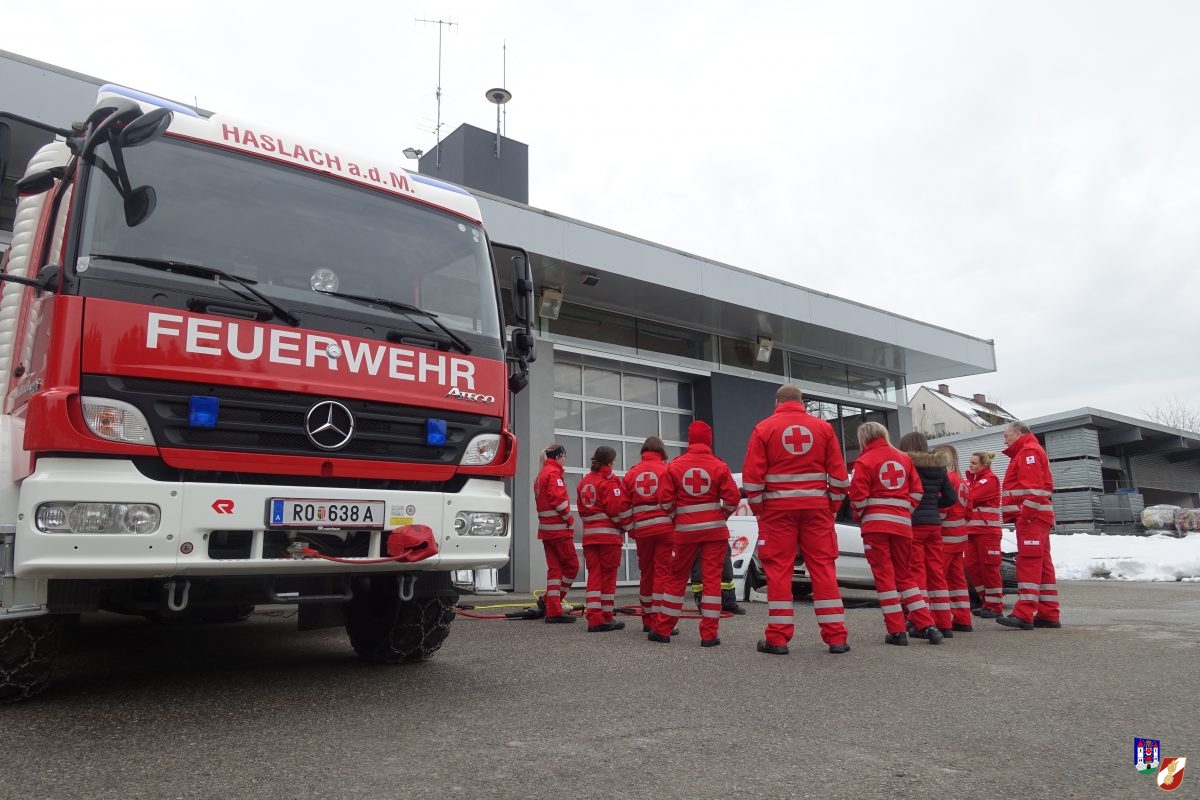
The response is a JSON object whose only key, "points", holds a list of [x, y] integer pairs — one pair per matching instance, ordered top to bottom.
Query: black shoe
{"points": [[541, 609], [734, 609], [976, 611], [987, 614], [561, 619], [1011, 621], [1038, 622], [606, 627], [962, 628], [912, 629], [675, 631], [917, 633], [947, 633], [933, 635], [658, 637], [900, 639], [713, 642], [771, 649], [837, 649]]}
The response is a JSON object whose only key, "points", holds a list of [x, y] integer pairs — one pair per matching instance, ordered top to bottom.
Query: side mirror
{"points": [[146, 128], [37, 182], [139, 205], [522, 290], [523, 345]]}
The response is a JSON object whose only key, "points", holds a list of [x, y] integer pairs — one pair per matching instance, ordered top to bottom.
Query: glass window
{"points": [[594, 325], [658, 338], [814, 370], [568, 378], [601, 383], [871, 385], [640, 389], [674, 394], [568, 414], [602, 418], [641, 422], [674, 426], [674, 450], [633, 454]]}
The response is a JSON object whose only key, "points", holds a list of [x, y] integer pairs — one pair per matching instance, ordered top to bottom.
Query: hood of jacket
{"points": [[930, 460]]}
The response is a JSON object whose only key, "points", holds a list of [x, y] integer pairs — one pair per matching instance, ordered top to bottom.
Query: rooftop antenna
{"points": [[442, 24], [500, 97]]}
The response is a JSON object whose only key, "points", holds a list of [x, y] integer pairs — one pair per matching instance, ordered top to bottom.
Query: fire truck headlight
{"points": [[116, 421], [482, 450], [69, 517], [480, 523]]}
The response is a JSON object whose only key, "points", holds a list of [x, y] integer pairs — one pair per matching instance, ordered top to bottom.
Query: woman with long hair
{"points": [[983, 535], [954, 544], [928, 560]]}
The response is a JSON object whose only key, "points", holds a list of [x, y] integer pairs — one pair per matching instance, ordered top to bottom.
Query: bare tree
{"points": [[1176, 414]]}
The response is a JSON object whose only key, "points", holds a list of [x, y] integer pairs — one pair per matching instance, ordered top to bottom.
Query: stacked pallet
{"points": [[1074, 456]]}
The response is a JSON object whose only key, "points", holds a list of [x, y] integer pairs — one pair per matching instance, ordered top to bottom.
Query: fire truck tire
{"points": [[384, 629], [27, 650]]}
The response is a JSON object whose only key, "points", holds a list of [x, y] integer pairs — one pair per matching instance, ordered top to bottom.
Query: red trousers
{"points": [[811, 532], [890, 556], [712, 558], [603, 561], [982, 562], [654, 563], [562, 565], [929, 571], [956, 582], [1037, 588]]}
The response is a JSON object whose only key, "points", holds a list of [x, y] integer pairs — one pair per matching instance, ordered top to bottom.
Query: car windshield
{"points": [[294, 233]]}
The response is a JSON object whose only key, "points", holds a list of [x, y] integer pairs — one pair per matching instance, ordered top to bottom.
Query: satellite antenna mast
{"points": [[442, 24], [500, 97]]}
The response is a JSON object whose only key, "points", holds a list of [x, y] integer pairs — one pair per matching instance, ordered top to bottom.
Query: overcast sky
{"points": [[1027, 172]]}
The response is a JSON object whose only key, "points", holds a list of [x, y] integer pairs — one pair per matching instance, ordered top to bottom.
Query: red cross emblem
{"points": [[797, 439], [891, 474], [696, 482], [646, 484], [587, 494]]}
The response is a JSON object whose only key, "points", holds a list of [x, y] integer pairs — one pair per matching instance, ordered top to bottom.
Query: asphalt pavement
{"points": [[527, 710]]}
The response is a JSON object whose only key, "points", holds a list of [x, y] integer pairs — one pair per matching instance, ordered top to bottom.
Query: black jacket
{"points": [[939, 492]]}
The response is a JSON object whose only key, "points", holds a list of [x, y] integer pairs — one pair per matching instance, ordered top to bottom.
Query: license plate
{"points": [[289, 512]]}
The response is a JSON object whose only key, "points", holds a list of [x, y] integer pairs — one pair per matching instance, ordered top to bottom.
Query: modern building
{"points": [[636, 338], [941, 413], [1106, 467]]}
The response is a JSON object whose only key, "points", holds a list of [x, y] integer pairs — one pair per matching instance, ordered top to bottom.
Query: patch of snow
{"points": [[1159, 556]]}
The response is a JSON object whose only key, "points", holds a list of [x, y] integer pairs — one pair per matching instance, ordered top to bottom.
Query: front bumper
{"points": [[192, 512]]}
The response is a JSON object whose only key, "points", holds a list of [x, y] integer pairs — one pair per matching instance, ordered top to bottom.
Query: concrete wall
{"points": [[533, 421]]}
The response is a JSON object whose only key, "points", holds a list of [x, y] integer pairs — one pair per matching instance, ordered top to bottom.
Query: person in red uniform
{"points": [[795, 480], [884, 491], [700, 493], [1026, 500], [604, 509], [649, 526], [556, 530], [954, 543], [982, 560], [928, 561]]}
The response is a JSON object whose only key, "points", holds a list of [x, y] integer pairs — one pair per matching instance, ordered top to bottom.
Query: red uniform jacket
{"points": [[794, 461], [644, 485], [1028, 486], [885, 489], [701, 493], [983, 502], [553, 506], [603, 506], [954, 518]]}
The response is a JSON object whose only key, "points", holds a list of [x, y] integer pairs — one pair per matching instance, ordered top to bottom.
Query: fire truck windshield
{"points": [[301, 238]]}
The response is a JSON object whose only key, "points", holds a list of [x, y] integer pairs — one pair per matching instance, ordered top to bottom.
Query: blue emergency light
{"points": [[202, 411], [435, 432]]}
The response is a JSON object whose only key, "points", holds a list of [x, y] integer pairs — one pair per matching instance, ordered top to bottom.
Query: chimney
{"points": [[944, 388], [980, 399]]}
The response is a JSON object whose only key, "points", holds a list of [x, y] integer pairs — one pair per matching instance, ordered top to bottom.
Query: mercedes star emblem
{"points": [[329, 425]]}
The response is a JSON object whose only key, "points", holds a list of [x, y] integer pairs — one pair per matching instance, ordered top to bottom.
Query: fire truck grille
{"points": [[261, 421]]}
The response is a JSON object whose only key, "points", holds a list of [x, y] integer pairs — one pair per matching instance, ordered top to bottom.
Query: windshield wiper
{"points": [[201, 271], [406, 308]]}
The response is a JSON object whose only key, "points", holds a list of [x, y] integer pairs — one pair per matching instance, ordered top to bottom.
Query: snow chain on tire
{"points": [[387, 630], [27, 650]]}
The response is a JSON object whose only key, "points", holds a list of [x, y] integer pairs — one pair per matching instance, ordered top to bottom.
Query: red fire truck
{"points": [[242, 368]]}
